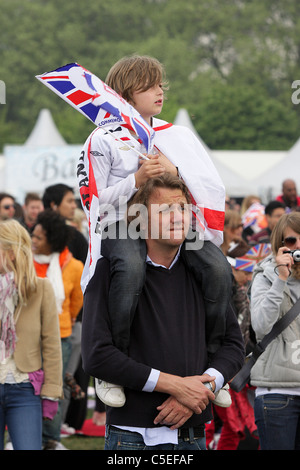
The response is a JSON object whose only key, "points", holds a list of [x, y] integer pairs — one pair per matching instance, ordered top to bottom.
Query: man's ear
{"points": [[53, 205]]}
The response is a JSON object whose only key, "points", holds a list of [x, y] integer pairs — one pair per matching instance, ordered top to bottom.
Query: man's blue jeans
{"points": [[21, 411], [277, 417], [118, 439]]}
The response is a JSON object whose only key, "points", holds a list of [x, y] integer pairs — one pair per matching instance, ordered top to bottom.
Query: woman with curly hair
{"points": [[52, 259], [30, 349]]}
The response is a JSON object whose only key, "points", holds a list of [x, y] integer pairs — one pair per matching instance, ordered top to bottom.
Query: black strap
{"points": [[278, 327], [243, 375]]}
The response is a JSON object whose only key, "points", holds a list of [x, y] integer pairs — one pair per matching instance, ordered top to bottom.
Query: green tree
{"points": [[230, 63]]}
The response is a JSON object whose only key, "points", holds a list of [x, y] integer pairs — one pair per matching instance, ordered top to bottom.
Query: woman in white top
{"points": [[276, 374]]}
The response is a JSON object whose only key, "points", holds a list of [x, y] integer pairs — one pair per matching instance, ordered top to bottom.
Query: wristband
{"points": [[209, 385]]}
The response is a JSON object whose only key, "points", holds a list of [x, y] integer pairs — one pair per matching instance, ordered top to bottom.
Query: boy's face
{"points": [[148, 103]]}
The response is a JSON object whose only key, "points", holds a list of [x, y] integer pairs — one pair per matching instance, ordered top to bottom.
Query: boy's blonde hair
{"points": [[135, 73], [16, 256]]}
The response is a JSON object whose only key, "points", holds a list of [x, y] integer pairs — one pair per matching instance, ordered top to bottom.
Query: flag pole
{"points": [[125, 143]]}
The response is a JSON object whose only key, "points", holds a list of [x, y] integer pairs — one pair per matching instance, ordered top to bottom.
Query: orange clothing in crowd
{"points": [[71, 275]]}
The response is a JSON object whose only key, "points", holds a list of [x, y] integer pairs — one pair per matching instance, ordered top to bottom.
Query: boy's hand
{"points": [[165, 162], [148, 169]]}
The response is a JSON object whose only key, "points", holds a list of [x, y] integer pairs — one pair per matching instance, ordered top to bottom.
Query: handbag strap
{"points": [[278, 327]]}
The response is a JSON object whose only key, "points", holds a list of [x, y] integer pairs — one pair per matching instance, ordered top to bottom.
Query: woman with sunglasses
{"points": [[233, 243], [276, 374]]}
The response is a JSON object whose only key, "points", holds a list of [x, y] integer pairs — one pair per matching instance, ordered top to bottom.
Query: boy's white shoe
{"points": [[110, 394], [222, 397]]}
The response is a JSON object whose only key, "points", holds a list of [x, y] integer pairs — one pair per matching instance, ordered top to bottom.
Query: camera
{"points": [[295, 254]]}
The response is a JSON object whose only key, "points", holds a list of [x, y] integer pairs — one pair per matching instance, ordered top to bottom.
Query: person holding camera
{"points": [[276, 374]]}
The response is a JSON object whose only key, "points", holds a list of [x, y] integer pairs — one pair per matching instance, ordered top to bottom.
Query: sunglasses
{"points": [[8, 206], [290, 241]]}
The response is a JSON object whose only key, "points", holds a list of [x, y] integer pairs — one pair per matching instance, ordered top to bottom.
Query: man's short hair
{"points": [[167, 180], [55, 193], [3, 195], [31, 197], [271, 206]]}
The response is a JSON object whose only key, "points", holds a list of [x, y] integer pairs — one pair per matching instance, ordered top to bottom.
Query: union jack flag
{"points": [[96, 100], [254, 217], [252, 257]]}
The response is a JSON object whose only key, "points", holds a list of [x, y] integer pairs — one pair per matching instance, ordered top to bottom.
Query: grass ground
{"points": [[78, 442], [83, 443]]}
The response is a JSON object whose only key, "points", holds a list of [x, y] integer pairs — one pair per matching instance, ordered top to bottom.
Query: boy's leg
{"points": [[128, 268], [213, 271]]}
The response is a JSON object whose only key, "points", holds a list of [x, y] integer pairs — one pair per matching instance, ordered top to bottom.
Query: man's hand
{"points": [[189, 391], [172, 413]]}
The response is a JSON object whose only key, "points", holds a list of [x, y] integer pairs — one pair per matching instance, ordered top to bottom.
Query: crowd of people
{"points": [[59, 239], [162, 320]]}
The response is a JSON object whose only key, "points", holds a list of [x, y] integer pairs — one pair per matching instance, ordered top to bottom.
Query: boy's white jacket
{"points": [[106, 173]]}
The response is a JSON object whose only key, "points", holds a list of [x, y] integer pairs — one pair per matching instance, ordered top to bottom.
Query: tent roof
{"points": [[183, 119], [45, 132], [286, 168], [246, 172], [235, 183]]}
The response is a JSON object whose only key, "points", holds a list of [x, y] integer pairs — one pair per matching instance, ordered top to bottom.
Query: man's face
{"points": [[290, 191], [67, 206], [7, 208], [32, 209], [274, 217], [168, 218]]}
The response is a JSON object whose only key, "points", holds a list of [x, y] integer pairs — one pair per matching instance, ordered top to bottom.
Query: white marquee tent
{"points": [[45, 159], [287, 168], [247, 172]]}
